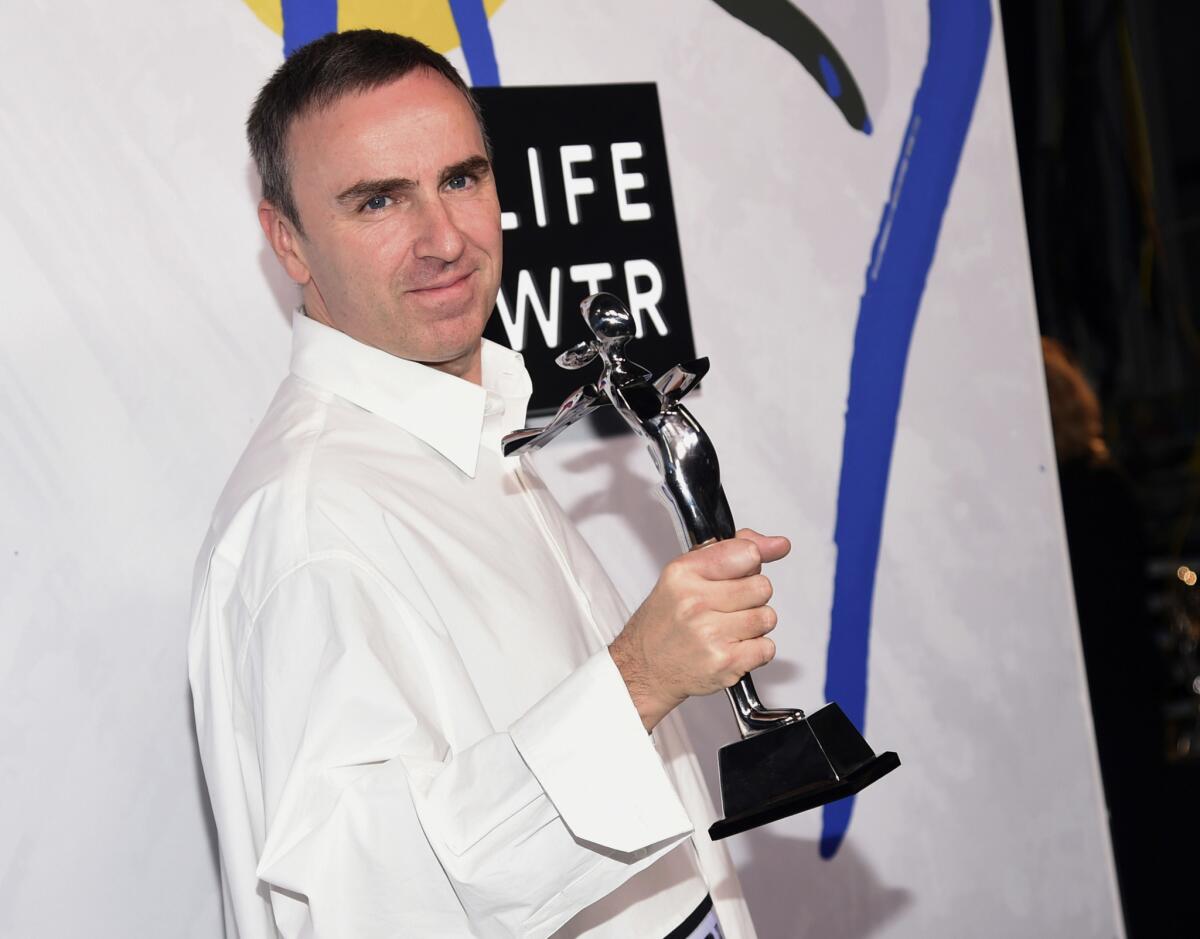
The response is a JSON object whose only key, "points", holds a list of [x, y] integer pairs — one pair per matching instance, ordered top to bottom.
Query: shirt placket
{"points": [[535, 510]]}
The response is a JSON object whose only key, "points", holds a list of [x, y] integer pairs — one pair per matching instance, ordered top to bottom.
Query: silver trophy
{"points": [[786, 762]]}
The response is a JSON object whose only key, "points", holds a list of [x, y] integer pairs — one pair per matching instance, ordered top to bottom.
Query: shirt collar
{"points": [[441, 410]]}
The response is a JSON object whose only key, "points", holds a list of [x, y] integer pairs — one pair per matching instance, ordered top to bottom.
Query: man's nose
{"points": [[439, 235]]}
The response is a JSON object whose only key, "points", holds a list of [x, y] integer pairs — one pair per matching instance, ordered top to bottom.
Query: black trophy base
{"points": [[795, 768]]}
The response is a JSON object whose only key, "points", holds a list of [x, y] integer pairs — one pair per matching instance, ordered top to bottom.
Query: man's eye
{"points": [[459, 182], [375, 203]]}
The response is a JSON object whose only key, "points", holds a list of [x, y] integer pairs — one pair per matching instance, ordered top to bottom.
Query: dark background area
{"points": [[1105, 97], [547, 117]]}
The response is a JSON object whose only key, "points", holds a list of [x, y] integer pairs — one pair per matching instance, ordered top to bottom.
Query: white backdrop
{"points": [[145, 329]]}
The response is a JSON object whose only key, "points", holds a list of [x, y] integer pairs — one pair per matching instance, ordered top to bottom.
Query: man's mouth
{"points": [[443, 286]]}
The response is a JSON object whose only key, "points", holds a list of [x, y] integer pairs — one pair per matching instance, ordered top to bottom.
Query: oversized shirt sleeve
{"points": [[352, 710]]}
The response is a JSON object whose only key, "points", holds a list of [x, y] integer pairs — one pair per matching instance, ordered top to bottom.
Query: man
{"points": [[421, 708]]}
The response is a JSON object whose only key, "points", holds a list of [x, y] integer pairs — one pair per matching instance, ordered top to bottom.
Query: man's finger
{"points": [[770, 547], [726, 560], [743, 593], [750, 624], [754, 653]]}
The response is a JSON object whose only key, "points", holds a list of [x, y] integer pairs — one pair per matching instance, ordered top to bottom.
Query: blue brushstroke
{"points": [[470, 18], [306, 20], [959, 31], [833, 85]]}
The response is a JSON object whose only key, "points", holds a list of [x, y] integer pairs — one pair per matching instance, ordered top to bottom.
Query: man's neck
{"points": [[468, 366]]}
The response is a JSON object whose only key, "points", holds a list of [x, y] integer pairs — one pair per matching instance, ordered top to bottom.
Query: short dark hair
{"points": [[318, 74]]}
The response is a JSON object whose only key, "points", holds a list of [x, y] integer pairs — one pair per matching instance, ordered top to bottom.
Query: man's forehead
{"points": [[422, 95]]}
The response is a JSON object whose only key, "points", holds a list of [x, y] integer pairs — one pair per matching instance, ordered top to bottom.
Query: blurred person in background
{"points": [[1104, 534]]}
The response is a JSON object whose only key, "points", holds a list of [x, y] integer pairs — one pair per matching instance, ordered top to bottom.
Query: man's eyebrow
{"points": [[471, 166], [365, 188]]}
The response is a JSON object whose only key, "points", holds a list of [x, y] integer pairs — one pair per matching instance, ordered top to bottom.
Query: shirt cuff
{"points": [[586, 745]]}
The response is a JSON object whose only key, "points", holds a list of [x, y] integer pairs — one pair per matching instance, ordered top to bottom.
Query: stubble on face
{"points": [[402, 242]]}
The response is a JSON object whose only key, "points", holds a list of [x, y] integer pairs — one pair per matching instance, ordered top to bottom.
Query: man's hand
{"points": [[703, 626]]}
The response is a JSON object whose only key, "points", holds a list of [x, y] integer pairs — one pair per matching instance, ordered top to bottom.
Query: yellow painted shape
{"points": [[270, 12], [427, 20]]}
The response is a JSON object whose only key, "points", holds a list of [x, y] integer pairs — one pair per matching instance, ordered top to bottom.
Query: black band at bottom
{"points": [[685, 929]]}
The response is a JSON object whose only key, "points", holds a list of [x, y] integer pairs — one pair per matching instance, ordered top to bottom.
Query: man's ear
{"points": [[285, 241]]}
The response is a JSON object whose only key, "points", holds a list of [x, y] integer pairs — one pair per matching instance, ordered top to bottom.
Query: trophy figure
{"points": [[786, 762]]}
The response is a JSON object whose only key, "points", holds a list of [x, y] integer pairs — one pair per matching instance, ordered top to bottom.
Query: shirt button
{"points": [[493, 405]]}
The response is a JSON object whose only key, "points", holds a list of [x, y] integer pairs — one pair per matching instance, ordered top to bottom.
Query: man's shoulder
{"points": [[297, 481]]}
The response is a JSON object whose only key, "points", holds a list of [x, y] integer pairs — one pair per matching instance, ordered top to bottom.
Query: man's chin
{"points": [[455, 349], [465, 365]]}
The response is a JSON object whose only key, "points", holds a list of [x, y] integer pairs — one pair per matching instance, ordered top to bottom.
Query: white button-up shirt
{"points": [[408, 717]]}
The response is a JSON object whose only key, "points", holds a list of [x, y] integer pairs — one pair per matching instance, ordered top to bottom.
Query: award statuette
{"points": [[786, 762]]}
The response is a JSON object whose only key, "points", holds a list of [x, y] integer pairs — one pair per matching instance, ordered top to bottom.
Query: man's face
{"points": [[402, 244]]}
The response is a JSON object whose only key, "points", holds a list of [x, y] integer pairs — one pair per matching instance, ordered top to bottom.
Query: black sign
{"points": [[586, 200]]}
